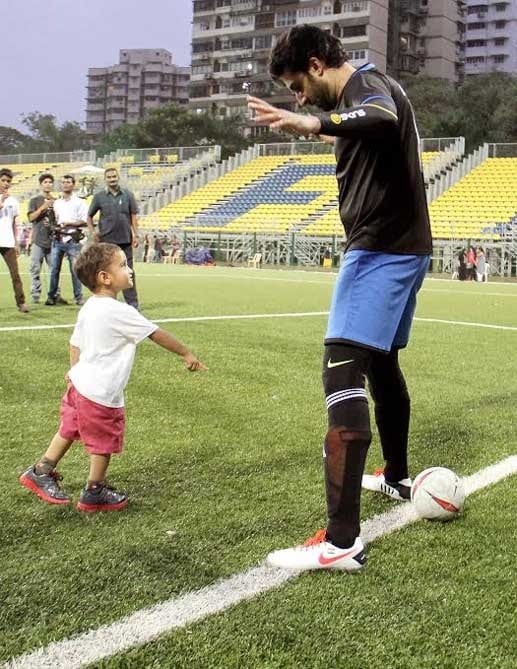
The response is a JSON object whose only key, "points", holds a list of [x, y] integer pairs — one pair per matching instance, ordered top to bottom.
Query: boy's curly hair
{"points": [[94, 259]]}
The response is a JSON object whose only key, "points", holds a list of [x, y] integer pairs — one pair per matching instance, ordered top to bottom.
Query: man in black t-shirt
{"points": [[382, 204], [41, 215], [118, 223]]}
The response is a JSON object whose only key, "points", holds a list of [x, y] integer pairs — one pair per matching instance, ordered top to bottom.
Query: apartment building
{"points": [[427, 37], [491, 37], [232, 39], [142, 80]]}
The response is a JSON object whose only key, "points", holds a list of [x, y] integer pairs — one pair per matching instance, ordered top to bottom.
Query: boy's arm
{"points": [[167, 341], [75, 352], [74, 359]]}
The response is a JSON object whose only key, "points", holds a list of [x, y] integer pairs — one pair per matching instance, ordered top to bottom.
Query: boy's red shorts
{"points": [[100, 428]]}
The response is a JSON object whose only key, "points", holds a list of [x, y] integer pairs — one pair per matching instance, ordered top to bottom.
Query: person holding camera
{"points": [[70, 211], [41, 215]]}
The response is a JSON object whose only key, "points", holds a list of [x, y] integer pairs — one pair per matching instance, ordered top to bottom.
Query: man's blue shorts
{"points": [[375, 298]]}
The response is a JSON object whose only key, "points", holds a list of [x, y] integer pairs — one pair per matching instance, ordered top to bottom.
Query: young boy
{"points": [[9, 212], [102, 349]]}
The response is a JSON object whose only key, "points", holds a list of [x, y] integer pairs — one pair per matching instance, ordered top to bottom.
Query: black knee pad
{"points": [[344, 372]]}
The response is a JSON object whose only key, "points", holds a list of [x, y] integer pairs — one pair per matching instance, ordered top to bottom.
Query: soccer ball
{"points": [[437, 493]]}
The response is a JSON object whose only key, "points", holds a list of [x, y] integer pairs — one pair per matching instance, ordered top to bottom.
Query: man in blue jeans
{"points": [[70, 212], [41, 215]]}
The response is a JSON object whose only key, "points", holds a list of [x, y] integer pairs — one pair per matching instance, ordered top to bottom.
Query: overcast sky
{"points": [[48, 46]]}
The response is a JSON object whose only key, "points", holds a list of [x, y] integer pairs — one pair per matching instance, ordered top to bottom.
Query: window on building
{"points": [[203, 5], [500, 7], [477, 9], [307, 12], [287, 18], [500, 25], [477, 26], [353, 31], [499, 41], [263, 42], [476, 42], [201, 47], [359, 54], [499, 58], [475, 60], [201, 69]]}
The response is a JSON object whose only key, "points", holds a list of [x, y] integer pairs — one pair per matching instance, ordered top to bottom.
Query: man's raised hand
{"points": [[283, 120]]}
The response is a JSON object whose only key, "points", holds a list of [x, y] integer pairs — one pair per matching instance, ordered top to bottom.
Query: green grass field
{"points": [[225, 466]]}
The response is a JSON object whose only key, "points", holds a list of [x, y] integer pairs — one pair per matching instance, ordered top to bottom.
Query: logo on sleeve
{"points": [[353, 114], [335, 118]]}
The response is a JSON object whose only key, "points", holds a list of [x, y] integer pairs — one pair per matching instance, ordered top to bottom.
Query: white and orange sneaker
{"points": [[400, 490], [318, 553]]}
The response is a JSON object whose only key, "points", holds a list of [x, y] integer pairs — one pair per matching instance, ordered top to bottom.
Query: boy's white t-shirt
{"points": [[10, 209], [107, 332]]}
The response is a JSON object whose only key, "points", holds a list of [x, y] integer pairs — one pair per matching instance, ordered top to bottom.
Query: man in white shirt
{"points": [[9, 212], [70, 212]]}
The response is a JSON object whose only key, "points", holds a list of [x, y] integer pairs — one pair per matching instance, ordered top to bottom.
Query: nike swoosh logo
{"points": [[331, 364], [444, 504], [330, 560]]}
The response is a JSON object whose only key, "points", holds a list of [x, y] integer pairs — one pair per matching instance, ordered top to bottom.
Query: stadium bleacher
{"points": [[270, 194], [278, 194], [479, 203]]}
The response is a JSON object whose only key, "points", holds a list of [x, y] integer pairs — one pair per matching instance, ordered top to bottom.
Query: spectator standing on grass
{"points": [[383, 207], [70, 211], [9, 215], [42, 216], [118, 222], [146, 248], [158, 249], [480, 263], [471, 264], [462, 265], [102, 350]]}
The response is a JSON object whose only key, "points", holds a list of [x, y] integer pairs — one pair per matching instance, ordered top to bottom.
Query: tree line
{"points": [[482, 110]]}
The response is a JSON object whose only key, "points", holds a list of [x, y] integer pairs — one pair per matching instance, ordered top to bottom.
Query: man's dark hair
{"points": [[295, 47], [110, 169], [6, 172], [44, 176], [69, 176], [94, 259]]}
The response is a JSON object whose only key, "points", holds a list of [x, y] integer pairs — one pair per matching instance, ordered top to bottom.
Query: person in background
{"points": [[70, 211], [9, 215], [41, 215], [118, 222], [146, 247], [471, 264], [480, 264], [462, 265]]}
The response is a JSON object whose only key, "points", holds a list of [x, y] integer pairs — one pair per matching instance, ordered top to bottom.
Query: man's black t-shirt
{"points": [[382, 199], [41, 226]]}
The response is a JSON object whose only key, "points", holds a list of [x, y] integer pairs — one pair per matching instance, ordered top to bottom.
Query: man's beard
{"points": [[324, 100]]}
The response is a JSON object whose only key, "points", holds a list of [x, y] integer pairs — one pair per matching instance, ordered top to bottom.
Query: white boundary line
{"points": [[235, 317], [180, 319], [147, 624]]}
